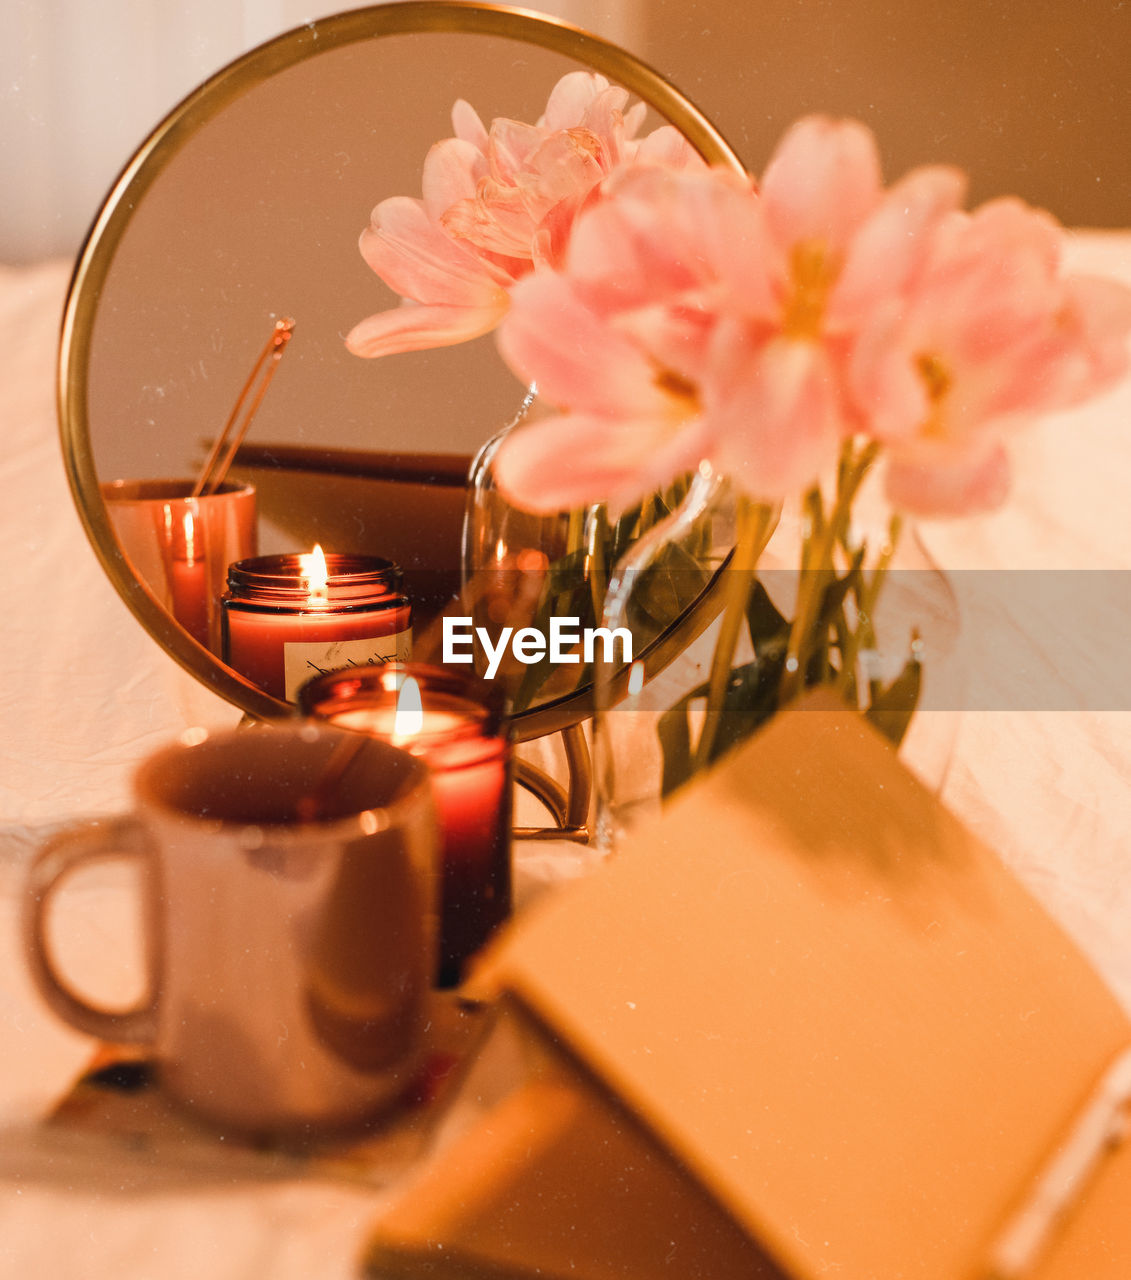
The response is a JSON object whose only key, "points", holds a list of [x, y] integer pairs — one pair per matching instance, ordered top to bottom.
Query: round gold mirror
{"points": [[243, 207]]}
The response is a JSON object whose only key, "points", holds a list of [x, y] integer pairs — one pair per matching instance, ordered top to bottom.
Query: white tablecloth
{"points": [[84, 694]]}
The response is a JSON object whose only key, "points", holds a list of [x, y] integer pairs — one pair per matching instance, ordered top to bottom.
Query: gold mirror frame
{"points": [[146, 166]]}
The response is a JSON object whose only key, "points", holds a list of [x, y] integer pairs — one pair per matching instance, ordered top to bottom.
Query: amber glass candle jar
{"points": [[288, 618], [454, 722]]}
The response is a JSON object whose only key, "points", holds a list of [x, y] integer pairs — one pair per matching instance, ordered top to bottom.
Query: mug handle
{"points": [[119, 838]]}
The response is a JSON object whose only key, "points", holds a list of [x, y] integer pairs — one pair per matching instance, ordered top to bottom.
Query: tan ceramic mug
{"points": [[290, 901]]}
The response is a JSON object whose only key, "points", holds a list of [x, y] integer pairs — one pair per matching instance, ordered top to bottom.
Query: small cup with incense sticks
{"points": [[179, 536]]}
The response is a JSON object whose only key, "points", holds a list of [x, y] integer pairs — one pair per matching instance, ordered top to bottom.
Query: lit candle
{"points": [[180, 546], [189, 582], [289, 618], [453, 722]]}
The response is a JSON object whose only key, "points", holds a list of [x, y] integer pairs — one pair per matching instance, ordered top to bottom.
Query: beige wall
{"points": [[84, 81], [1029, 96]]}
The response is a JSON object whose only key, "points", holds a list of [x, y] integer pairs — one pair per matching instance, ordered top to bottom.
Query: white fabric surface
{"points": [[84, 694], [1051, 790]]}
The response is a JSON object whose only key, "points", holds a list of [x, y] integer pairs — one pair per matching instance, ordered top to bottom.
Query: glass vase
{"points": [[522, 569], [874, 622]]}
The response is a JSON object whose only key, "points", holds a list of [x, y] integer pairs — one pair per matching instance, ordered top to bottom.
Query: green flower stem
{"points": [[854, 468], [756, 524], [575, 531], [815, 531], [818, 567], [596, 569], [866, 605]]}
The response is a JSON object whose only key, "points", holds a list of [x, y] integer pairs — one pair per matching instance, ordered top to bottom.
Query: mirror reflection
{"points": [[253, 216]]}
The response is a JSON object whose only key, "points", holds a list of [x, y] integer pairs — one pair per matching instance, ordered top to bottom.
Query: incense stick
{"points": [[212, 474], [313, 805]]}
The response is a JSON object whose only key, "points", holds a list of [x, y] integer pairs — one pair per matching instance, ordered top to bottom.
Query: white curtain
{"points": [[83, 83]]}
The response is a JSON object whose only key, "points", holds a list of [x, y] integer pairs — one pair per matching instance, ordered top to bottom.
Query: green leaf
{"points": [[665, 589], [835, 594], [763, 617], [750, 700], [893, 707], [674, 732]]}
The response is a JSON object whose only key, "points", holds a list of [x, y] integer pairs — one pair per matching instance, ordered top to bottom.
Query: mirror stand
{"points": [[569, 805]]}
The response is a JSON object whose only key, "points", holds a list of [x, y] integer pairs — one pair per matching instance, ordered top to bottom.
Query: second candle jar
{"points": [[287, 618], [455, 724]]}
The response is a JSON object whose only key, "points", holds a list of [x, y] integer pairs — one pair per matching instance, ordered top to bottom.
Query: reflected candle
{"points": [[181, 546], [189, 582], [288, 618], [454, 723]]}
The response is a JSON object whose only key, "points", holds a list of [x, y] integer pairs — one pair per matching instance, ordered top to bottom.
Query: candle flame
{"points": [[191, 555], [313, 570], [635, 679], [409, 718]]}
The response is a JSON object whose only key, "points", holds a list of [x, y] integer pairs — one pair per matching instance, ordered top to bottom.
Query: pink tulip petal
{"points": [[571, 98], [605, 114], [634, 118], [467, 125], [511, 145], [667, 147], [566, 165], [452, 171], [822, 182], [495, 221], [685, 229], [656, 233], [1027, 234], [552, 237], [891, 247], [417, 260], [626, 260], [993, 275], [1097, 316], [415, 327], [992, 330], [676, 337], [580, 363], [885, 381], [777, 414], [574, 460]]}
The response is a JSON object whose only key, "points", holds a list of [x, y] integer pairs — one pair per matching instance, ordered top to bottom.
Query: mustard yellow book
{"points": [[831, 1013]]}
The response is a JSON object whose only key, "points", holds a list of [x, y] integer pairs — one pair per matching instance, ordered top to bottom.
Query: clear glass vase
{"points": [[519, 567], [522, 570], [876, 622]]}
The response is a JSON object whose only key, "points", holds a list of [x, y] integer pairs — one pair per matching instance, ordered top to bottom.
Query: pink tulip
{"points": [[496, 203], [733, 311], [769, 327], [990, 335]]}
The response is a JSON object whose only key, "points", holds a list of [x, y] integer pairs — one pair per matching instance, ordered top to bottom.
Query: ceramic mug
{"points": [[181, 546], [290, 888]]}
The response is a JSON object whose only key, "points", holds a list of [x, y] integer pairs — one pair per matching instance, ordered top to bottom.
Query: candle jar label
{"points": [[305, 659]]}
